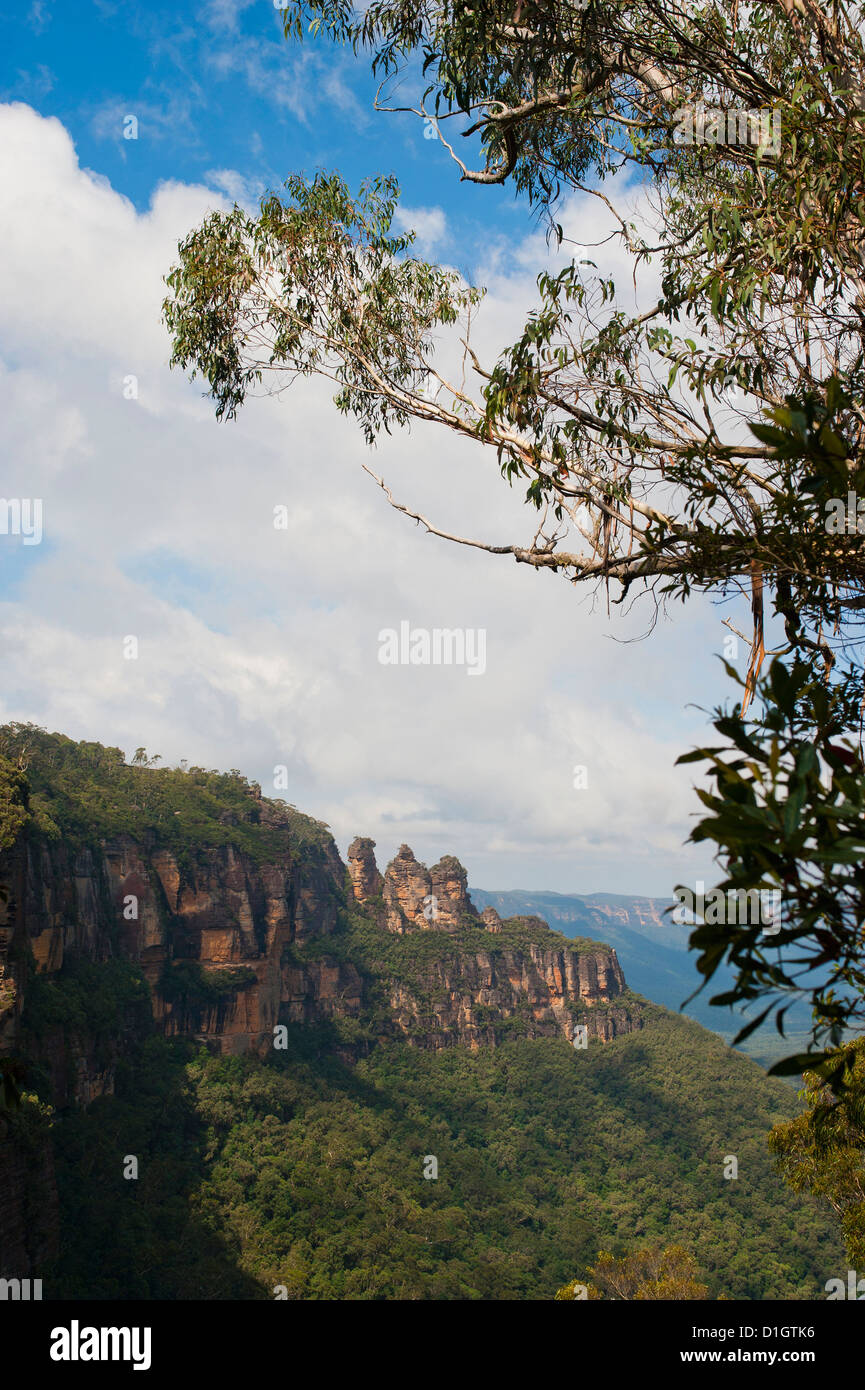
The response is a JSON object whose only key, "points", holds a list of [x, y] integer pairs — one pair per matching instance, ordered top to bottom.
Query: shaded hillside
{"points": [[190, 977], [307, 1174]]}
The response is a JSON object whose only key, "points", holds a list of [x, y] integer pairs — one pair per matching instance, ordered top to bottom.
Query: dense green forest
{"points": [[691, 429], [87, 791], [306, 1173], [304, 1176]]}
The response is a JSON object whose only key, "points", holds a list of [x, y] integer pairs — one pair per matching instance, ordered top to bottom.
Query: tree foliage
{"points": [[701, 443], [85, 791], [788, 813], [823, 1150], [306, 1174], [652, 1274]]}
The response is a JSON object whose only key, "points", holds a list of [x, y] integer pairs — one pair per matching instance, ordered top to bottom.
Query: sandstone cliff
{"points": [[366, 881], [417, 898], [220, 909], [211, 912], [237, 913], [219, 936], [467, 988]]}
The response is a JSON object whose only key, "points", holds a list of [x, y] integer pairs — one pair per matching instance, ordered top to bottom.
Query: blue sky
{"points": [[216, 87], [258, 648]]}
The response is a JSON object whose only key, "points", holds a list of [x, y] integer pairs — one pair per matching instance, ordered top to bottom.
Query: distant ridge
{"points": [[653, 951]]}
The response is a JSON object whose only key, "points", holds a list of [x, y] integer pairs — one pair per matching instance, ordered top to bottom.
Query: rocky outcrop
{"points": [[366, 881], [407, 894], [450, 894], [420, 899], [230, 914], [491, 920], [220, 934], [473, 995], [478, 999]]}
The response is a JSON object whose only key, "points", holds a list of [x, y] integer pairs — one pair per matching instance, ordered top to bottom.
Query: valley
{"points": [[163, 928]]}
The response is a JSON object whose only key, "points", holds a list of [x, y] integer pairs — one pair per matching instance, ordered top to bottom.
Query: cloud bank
{"points": [[258, 645]]}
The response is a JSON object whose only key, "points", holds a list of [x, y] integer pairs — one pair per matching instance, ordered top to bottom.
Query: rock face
{"points": [[366, 881], [449, 885], [407, 894], [420, 899], [231, 916], [491, 920], [241, 924], [231, 929], [474, 989], [477, 999]]}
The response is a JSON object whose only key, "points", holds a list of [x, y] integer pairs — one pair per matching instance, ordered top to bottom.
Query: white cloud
{"points": [[39, 15], [222, 15], [290, 81], [33, 84], [115, 118], [236, 187], [428, 224], [258, 646]]}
